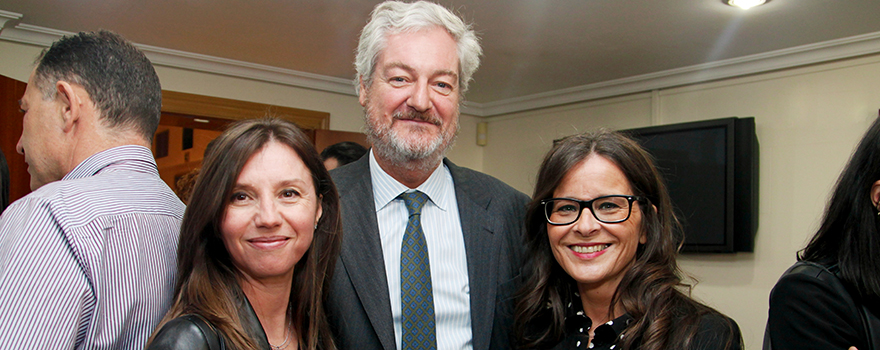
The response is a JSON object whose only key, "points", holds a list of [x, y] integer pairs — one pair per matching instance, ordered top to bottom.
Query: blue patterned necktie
{"points": [[416, 296]]}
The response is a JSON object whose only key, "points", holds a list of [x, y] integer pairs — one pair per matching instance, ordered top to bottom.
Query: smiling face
{"points": [[412, 103], [41, 135], [269, 222], [595, 254]]}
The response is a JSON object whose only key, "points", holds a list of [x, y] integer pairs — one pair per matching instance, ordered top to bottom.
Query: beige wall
{"points": [[16, 60], [808, 121], [518, 142]]}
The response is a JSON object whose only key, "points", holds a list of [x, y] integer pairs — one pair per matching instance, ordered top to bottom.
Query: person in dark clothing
{"points": [[339, 154], [258, 244], [601, 244], [829, 298]]}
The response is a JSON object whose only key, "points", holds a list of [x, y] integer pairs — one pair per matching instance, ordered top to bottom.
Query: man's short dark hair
{"points": [[118, 77], [345, 152]]}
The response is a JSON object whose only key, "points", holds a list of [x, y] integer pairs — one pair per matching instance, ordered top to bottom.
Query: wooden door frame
{"points": [[11, 90], [178, 103], [185, 104], [215, 113]]}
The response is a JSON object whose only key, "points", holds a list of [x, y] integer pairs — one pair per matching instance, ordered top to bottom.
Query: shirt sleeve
{"points": [[44, 293], [806, 313]]}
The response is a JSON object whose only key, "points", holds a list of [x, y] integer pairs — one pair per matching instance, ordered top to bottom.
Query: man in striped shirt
{"points": [[87, 260]]}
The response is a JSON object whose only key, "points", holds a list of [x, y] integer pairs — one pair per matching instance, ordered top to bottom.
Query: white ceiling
{"points": [[536, 52]]}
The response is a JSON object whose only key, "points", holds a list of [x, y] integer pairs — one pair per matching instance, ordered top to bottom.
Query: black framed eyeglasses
{"points": [[608, 209]]}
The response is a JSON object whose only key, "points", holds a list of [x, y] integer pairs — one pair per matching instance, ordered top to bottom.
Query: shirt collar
{"points": [[97, 162], [386, 188], [576, 321]]}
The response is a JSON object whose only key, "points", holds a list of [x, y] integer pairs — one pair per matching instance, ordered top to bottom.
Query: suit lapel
{"points": [[482, 245], [362, 251], [362, 256]]}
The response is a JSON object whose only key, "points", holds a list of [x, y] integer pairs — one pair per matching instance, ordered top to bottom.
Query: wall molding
{"points": [[6, 16], [40, 36], [855, 46], [798, 56]]}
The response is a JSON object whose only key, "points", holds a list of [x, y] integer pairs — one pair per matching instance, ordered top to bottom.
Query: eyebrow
{"points": [[410, 69], [292, 182], [279, 184]]}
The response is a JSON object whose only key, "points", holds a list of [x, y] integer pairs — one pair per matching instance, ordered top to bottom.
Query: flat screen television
{"points": [[711, 170]]}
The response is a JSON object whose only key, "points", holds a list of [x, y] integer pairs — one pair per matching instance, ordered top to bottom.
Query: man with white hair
{"points": [[431, 250]]}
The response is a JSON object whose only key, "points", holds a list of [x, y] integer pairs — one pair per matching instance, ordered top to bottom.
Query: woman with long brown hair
{"points": [[258, 242], [601, 243]]}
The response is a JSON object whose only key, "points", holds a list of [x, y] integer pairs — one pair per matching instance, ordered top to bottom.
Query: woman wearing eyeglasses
{"points": [[602, 241]]}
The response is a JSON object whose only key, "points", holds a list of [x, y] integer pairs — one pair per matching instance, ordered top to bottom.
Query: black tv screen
{"points": [[711, 169]]}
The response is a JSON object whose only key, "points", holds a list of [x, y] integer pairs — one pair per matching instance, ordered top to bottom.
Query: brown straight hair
{"points": [[207, 281]]}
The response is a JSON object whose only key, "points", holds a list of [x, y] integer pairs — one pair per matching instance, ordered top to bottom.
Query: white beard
{"points": [[412, 154]]}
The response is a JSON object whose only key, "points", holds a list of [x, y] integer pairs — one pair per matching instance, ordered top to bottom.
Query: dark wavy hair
{"points": [[119, 78], [345, 152], [849, 235], [207, 280], [651, 291]]}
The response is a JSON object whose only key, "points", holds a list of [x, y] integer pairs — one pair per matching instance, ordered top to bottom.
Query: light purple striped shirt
{"points": [[89, 262]]}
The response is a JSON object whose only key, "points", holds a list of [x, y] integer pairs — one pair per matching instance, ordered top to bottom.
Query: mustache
{"points": [[419, 116]]}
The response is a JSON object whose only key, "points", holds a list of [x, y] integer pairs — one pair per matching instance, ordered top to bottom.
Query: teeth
{"points": [[590, 249]]}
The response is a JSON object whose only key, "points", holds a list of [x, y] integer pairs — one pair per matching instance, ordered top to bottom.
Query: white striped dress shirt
{"points": [[446, 252], [89, 262]]}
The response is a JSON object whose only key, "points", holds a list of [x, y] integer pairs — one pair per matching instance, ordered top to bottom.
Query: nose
{"points": [[420, 98], [19, 148], [267, 215], [587, 223]]}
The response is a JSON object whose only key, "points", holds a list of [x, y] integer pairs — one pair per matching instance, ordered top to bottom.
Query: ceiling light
{"points": [[745, 4]]}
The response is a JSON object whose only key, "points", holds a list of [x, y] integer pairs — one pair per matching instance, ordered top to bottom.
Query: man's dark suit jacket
{"points": [[492, 220]]}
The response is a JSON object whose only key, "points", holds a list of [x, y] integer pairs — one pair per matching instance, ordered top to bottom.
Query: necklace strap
{"points": [[286, 340]]}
